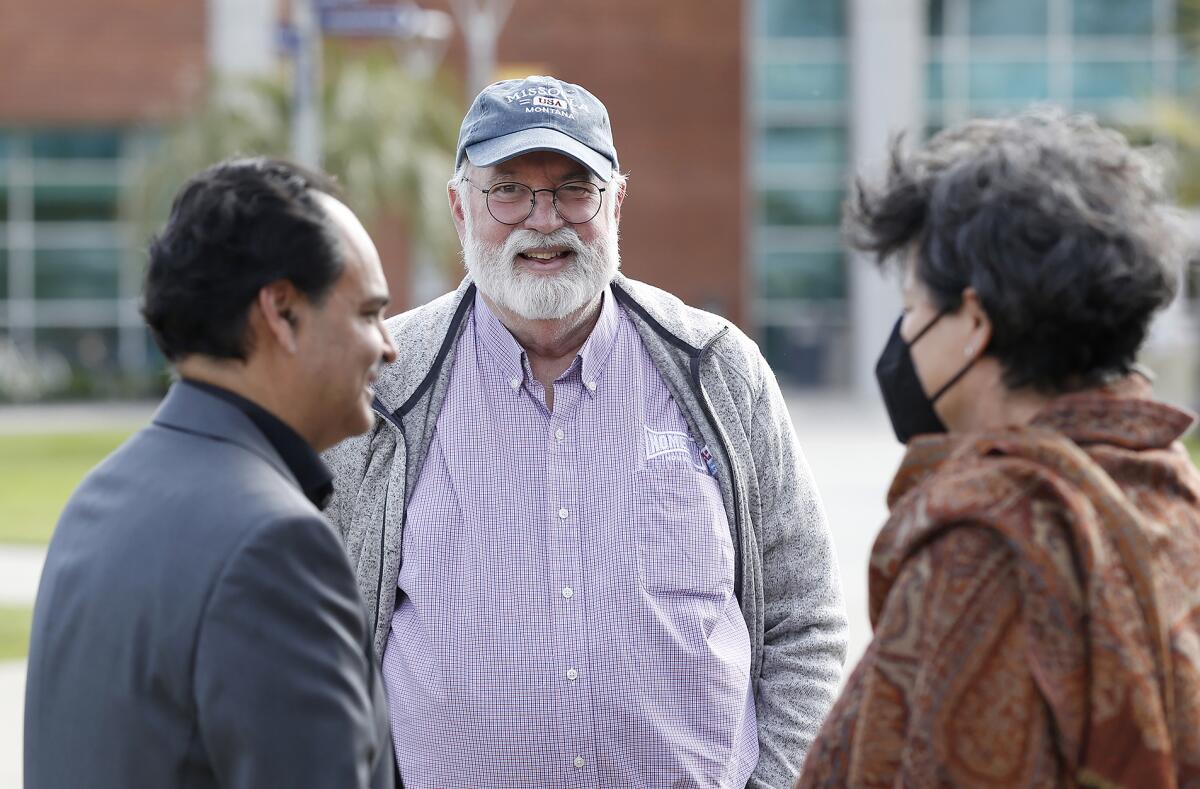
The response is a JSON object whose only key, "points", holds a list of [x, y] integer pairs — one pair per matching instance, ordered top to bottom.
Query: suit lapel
{"points": [[195, 411]]}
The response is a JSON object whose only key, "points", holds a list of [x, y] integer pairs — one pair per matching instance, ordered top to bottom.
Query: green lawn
{"points": [[1192, 442], [38, 473], [14, 632]]}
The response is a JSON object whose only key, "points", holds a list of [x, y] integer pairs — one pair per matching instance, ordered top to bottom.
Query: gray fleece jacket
{"points": [[785, 574]]}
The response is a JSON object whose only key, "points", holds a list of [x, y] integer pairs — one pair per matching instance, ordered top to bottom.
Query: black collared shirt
{"points": [[310, 471]]}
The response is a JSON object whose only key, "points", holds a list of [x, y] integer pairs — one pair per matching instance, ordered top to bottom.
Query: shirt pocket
{"points": [[683, 542]]}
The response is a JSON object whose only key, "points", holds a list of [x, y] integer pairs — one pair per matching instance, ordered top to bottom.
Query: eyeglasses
{"points": [[510, 203]]}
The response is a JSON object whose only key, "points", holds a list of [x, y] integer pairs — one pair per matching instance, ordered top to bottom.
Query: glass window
{"points": [[1009, 17], [802, 18], [936, 18], [1113, 18], [1187, 23], [1187, 74], [1113, 79], [935, 80], [784, 81], [1018, 83], [76, 144], [3, 145], [820, 145], [3, 196], [75, 202], [800, 206], [3, 273], [76, 273], [802, 275], [1191, 281], [93, 349], [801, 356], [155, 361]]}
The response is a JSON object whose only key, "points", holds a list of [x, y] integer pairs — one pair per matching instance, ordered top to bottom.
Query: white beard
{"points": [[541, 296]]}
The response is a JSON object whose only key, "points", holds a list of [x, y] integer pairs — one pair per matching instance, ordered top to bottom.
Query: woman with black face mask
{"points": [[1035, 593]]}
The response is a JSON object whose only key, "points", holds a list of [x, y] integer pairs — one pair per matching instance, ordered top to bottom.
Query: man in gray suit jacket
{"points": [[198, 622]]}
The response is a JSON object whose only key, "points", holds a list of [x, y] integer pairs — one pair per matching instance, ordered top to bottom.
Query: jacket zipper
{"points": [[695, 356], [706, 406], [379, 408], [394, 418]]}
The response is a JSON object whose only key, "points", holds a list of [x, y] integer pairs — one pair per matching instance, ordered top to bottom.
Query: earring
{"points": [[969, 351]]}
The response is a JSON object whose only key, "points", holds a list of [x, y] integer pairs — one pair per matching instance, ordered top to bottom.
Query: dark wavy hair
{"points": [[1060, 226], [233, 229]]}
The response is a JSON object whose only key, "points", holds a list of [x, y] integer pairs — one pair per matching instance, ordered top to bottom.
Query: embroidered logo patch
{"points": [[551, 100], [557, 104], [668, 442]]}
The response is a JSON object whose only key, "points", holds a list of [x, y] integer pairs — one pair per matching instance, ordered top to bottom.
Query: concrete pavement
{"points": [[69, 417], [848, 444], [853, 454], [20, 567], [12, 715]]}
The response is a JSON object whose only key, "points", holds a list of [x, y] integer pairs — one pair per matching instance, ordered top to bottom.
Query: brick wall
{"points": [[91, 62], [670, 72], [671, 75]]}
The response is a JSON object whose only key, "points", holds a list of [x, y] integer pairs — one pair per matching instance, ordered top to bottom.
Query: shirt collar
{"points": [[499, 343], [597, 350], [311, 473]]}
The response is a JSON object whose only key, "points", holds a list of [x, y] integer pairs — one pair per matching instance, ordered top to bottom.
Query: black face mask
{"points": [[909, 408]]}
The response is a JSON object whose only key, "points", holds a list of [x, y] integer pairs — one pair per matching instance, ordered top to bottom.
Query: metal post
{"points": [[481, 22], [887, 51], [306, 89]]}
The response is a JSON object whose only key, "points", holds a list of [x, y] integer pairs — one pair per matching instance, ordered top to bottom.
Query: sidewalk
{"points": [[64, 417], [848, 444], [853, 455], [20, 568], [12, 715]]}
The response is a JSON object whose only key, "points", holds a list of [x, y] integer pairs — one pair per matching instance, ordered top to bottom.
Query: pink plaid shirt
{"points": [[565, 615]]}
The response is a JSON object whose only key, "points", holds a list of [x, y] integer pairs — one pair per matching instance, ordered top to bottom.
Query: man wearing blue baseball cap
{"points": [[590, 546]]}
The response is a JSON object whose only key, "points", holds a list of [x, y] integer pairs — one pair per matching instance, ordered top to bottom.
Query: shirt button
{"points": [[515, 383], [591, 385], [559, 434], [563, 513], [568, 592], [572, 674], [579, 761]]}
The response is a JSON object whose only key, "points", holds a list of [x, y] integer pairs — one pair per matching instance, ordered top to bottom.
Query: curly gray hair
{"points": [[1061, 227]]}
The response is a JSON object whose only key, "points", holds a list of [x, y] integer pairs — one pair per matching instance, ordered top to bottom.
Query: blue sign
{"points": [[370, 20], [287, 39]]}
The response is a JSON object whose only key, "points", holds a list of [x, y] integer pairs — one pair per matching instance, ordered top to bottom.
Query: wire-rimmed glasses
{"points": [[511, 203]]}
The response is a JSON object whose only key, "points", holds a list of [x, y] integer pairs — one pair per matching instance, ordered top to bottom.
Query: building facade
{"points": [[826, 77], [82, 82], [89, 83], [740, 125]]}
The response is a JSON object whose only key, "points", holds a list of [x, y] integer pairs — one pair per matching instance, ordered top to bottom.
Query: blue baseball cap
{"points": [[519, 116]]}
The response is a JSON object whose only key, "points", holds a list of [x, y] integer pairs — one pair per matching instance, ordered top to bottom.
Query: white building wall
{"points": [[241, 36], [887, 64]]}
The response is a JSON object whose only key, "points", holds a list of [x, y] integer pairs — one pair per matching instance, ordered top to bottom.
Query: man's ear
{"points": [[619, 197], [457, 207], [279, 304]]}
